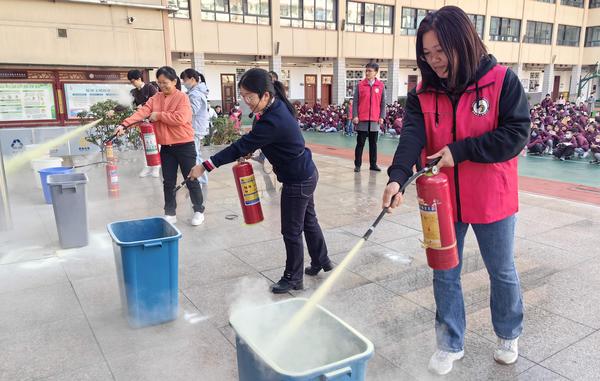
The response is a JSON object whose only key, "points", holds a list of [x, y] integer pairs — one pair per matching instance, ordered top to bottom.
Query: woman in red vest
{"points": [[368, 111], [473, 113]]}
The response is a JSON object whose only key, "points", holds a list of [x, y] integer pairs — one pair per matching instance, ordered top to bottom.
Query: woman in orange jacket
{"points": [[171, 114]]}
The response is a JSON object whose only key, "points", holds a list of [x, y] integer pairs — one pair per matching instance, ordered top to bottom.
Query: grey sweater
{"points": [[367, 126]]}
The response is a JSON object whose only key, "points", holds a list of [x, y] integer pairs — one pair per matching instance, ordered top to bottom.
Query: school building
{"points": [[58, 57]]}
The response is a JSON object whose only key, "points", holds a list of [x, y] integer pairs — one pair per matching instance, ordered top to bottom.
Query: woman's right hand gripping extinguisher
{"points": [[247, 192], [437, 220]]}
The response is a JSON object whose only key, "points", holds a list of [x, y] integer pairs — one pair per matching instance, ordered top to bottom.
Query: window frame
{"points": [[573, 3], [183, 12], [418, 14], [238, 17], [474, 17], [301, 21], [502, 21], [370, 24], [537, 29], [589, 31], [561, 41]]}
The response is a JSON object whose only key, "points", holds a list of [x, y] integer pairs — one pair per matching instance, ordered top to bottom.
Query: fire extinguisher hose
{"points": [[114, 136], [430, 167]]}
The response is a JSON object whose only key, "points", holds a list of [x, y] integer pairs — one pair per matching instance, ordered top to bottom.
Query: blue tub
{"points": [[44, 173], [146, 256], [325, 348]]}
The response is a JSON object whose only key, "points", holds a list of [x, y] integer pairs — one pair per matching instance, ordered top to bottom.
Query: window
{"points": [[547, 1], [572, 3], [594, 4], [184, 8], [238, 11], [319, 14], [368, 17], [411, 18], [478, 21], [503, 29], [538, 33], [568, 35], [592, 36], [353, 77], [534, 81]]}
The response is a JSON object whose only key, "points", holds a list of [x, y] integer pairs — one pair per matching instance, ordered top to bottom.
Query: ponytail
{"points": [[259, 81], [280, 93]]}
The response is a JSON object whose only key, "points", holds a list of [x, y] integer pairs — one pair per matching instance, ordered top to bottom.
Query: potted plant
{"points": [[111, 115]]}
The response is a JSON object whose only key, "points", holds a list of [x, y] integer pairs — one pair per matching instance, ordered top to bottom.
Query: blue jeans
{"points": [[496, 243]]}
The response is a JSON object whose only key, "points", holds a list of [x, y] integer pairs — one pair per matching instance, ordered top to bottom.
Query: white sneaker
{"points": [[146, 171], [155, 171], [171, 219], [197, 219], [507, 351], [441, 361]]}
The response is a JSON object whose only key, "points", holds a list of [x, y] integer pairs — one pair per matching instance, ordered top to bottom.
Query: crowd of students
{"points": [[334, 118], [565, 130]]}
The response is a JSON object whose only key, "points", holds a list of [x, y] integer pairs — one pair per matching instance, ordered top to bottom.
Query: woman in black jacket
{"points": [[275, 131]]}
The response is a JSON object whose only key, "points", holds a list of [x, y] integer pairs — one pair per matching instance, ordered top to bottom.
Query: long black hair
{"points": [[461, 45], [170, 73], [258, 81]]}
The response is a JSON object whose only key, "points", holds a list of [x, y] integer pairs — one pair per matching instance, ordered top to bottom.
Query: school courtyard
{"points": [[61, 316]]}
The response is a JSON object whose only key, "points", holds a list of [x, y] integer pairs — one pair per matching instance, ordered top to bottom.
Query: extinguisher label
{"points": [[150, 144], [114, 177], [249, 190], [431, 225]]}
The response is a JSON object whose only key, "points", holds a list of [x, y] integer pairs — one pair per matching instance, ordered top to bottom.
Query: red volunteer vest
{"points": [[369, 100], [486, 192]]}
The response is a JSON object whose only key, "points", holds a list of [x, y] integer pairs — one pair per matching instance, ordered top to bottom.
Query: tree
{"points": [[112, 114]]}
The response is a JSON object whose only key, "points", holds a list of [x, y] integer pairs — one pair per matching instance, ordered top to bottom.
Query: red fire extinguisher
{"points": [[150, 145], [112, 176], [248, 192], [435, 205]]}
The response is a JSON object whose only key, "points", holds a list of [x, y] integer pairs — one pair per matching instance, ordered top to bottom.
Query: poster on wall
{"points": [[81, 96], [26, 101]]}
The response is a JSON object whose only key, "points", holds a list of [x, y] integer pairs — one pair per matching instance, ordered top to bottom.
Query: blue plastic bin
{"points": [[44, 173], [146, 256], [324, 349]]}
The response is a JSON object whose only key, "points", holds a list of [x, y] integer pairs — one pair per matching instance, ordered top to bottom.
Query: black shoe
{"points": [[375, 168], [356, 169], [314, 270], [284, 285]]}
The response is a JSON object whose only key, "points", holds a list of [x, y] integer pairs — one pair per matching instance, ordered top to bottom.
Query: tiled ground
{"points": [[60, 312]]}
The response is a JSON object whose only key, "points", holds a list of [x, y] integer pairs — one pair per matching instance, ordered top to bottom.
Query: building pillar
{"points": [[198, 62], [275, 64], [518, 70], [548, 80], [339, 81], [393, 81], [574, 86]]}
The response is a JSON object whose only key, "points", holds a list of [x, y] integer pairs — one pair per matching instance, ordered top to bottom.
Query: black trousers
{"points": [[360, 145], [537, 149], [564, 151], [182, 156], [298, 215]]}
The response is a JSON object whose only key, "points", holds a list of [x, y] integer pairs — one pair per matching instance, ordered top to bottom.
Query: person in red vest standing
{"points": [[368, 111], [473, 113]]}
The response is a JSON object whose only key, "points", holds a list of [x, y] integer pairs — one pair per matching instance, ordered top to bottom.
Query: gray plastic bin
{"points": [[70, 208], [324, 349]]}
